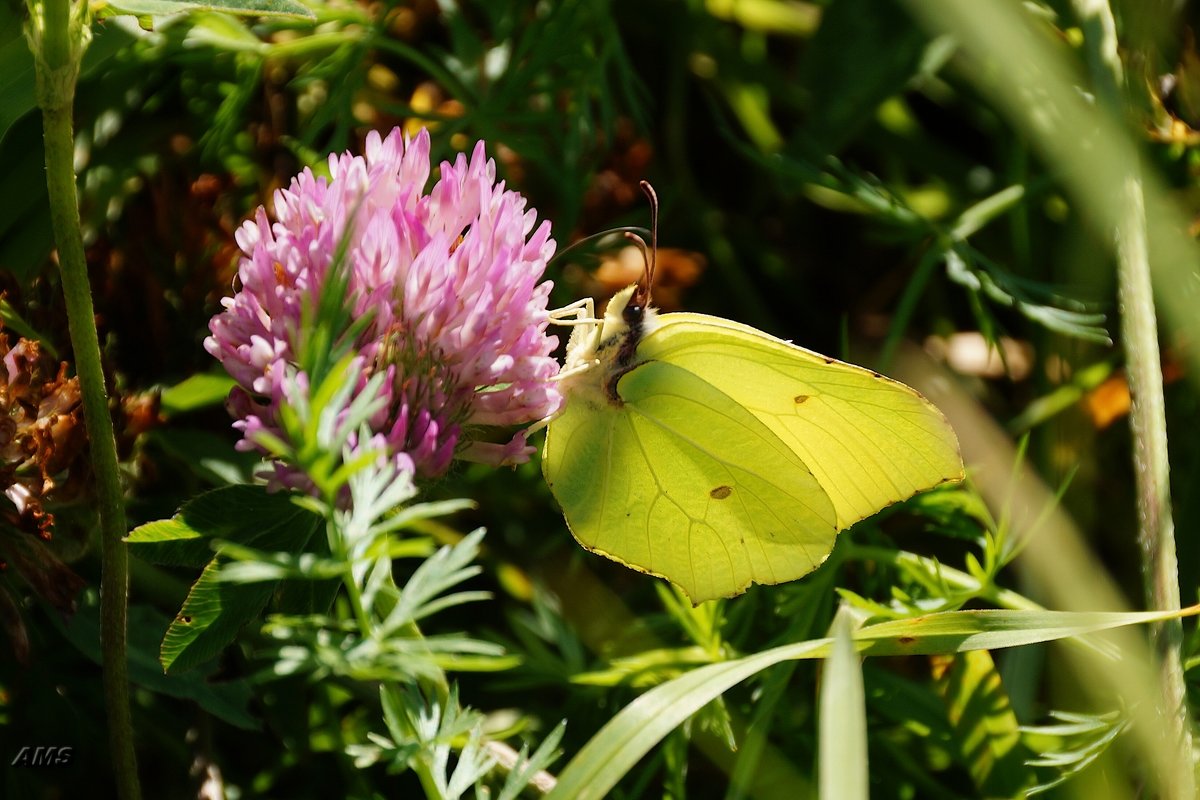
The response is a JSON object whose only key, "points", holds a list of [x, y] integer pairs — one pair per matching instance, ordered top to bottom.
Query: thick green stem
{"points": [[57, 50], [1148, 419]]}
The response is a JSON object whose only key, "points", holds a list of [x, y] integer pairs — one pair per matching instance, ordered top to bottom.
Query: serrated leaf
{"points": [[143, 9], [246, 515], [216, 610], [210, 618]]}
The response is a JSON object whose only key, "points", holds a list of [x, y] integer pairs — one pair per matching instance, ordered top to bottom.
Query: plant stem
{"points": [[61, 42], [1148, 422], [364, 618]]}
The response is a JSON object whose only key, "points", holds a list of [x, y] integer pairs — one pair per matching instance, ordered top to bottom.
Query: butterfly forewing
{"points": [[870, 441], [679, 480]]}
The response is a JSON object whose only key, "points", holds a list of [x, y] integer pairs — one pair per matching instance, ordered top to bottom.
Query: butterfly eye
{"points": [[633, 314]]}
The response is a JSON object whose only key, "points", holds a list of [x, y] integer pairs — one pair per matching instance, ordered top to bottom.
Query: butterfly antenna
{"points": [[652, 196], [581, 243], [640, 243]]}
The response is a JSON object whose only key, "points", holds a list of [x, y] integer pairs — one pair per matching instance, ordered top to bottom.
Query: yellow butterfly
{"points": [[711, 454]]}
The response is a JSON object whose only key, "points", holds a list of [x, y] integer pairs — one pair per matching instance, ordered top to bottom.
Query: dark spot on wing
{"points": [[828, 360], [876, 375], [800, 398], [721, 492]]}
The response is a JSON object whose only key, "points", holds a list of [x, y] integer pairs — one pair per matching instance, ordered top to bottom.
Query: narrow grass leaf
{"points": [[842, 768]]}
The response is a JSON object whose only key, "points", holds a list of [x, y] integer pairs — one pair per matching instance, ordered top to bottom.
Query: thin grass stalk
{"points": [[58, 40], [1038, 92], [1148, 419]]}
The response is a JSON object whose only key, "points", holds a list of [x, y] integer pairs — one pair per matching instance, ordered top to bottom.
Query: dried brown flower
{"points": [[42, 436]]}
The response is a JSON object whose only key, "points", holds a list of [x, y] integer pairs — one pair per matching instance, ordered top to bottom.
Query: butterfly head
{"points": [[622, 309], [612, 346]]}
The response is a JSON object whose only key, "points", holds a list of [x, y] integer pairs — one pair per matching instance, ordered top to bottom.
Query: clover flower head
{"points": [[449, 281]]}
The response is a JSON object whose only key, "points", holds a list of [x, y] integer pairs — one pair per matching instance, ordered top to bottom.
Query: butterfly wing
{"points": [[870, 441], [682, 482]]}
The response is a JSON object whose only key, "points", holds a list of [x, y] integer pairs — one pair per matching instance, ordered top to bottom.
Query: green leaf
{"points": [[258, 8], [864, 52], [16, 71], [17, 83], [25, 234], [1038, 302], [11, 318], [201, 390], [206, 454], [246, 515], [251, 565], [423, 592], [216, 610], [210, 618], [226, 700], [843, 720], [986, 732], [1071, 746], [614, 750], [529, 769]]}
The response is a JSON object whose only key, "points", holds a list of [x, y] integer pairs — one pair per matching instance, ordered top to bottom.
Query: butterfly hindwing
{"points": [[870, 441], [679, 480]]}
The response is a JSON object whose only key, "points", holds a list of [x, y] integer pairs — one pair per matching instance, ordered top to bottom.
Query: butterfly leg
{"points": [[581, 312], [577, 369], [570, 372], [537, 426]]}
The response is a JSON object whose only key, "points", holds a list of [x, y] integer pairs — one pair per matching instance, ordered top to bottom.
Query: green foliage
{"points": [[147, 9], [851, 182], [226, 700], [641, 725], [1070, 744]]}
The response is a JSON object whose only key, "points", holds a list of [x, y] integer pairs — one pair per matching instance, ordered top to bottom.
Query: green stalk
{"points": [[57, 41], [1148, 420], [366, 628]]}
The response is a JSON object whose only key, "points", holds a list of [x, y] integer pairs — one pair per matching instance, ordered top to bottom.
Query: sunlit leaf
{"points": [[144, 9], [197, 391], [247, 515], [641, 725], [843, 725], [985, 727]]}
